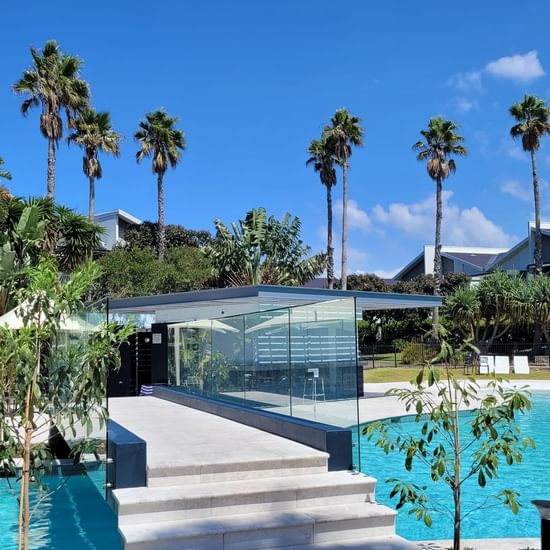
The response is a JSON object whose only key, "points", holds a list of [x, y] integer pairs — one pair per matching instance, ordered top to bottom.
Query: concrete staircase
{"points": [[290, 502]]}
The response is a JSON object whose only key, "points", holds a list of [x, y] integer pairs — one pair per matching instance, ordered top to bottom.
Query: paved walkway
{"points": [[181, 436]]}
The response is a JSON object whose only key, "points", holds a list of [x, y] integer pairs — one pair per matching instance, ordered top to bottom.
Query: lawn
{"points": [[404, 374]]}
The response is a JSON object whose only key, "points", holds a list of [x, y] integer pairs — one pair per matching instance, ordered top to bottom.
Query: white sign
{"points": [[157, 338]]}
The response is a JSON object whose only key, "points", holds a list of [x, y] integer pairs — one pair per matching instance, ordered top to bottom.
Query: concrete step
{"points": [[169, 474], [151, 504], [287, 529]]}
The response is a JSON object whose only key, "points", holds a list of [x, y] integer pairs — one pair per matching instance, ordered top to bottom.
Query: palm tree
{"points": [[54, 83], [532, 117], [93, 132], [343, 132], [159, 138], [440, 142], [323, 162], [4, 173]]}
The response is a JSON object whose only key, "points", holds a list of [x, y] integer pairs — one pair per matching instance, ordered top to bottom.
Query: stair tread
{"points": [[168, 468], [240, 487], [259, 520], [393, 542]]}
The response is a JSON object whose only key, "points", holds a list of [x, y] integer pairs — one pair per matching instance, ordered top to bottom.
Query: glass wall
{"points": [[299, 361]]}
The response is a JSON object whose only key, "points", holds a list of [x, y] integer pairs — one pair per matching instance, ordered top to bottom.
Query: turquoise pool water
{"points": [[531, 479], [76, 516]]}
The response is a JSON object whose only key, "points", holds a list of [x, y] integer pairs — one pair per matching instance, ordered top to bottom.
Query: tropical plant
{"points": [[53, 83], [532, 116], [93, 132], [343, 133], [159, 138], [441, 142], [323, 163], [4, 174], [35, 228], [262, 250], [486, 312], [44, 384], [454, 451]]}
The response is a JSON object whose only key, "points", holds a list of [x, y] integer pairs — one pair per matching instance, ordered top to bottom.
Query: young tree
{"points": [[53, 83], [532, 116], [93, 132], [343, 133], [159, 138], [441, 141], [323, 163], [262, 250], [46, 384], [454, 451]]}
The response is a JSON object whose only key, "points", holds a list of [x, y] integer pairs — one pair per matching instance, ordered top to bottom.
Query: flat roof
{"points": [[268, 297]]}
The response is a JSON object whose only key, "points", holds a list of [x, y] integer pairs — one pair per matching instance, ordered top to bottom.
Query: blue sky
{"points": [[253, 82]]}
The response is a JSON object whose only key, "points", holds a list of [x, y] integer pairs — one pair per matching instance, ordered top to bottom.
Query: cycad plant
{"points": [[53, 83], [532, 116], [94, 133], [343, 133], [159, 138], [440, 143], [323, 163]]}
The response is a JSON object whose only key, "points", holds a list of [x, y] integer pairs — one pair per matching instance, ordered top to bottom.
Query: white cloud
{"points": [[521, 68], [467, 82], [464, 105], [517, 153], [516, 189], [357, 218], [463, 227], [357, 259], [387, 273]]}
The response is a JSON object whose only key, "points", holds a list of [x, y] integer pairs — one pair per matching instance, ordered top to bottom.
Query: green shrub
{"points": [[400, 343], [414, 353]]}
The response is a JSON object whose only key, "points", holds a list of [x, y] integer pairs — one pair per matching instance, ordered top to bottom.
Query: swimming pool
{"points": [[531, 479], [76, 516]]}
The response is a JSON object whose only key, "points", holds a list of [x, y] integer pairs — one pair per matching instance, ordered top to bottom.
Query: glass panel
{"points": [[194, 357], [323, 357], [227, 361], [267, 361], [299, 361]]}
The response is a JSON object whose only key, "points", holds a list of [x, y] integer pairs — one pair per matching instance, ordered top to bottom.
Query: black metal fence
{"points": [[410, 354]]}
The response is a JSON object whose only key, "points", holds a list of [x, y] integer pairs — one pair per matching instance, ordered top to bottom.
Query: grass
{"points": [[405, 374]]}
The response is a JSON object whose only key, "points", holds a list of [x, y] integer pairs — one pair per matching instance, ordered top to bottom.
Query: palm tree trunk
{"points": [[51, 168], [91, 200], [161, 232], [538, 235], [330, 249], [437, 253], [344, 275]]}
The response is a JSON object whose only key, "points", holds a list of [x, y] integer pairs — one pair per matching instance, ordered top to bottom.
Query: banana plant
{"points": [[263, 250]]}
